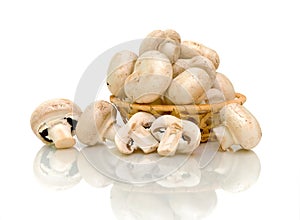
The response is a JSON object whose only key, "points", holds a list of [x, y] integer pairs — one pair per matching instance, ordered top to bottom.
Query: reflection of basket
{"points": [[206, 116]]}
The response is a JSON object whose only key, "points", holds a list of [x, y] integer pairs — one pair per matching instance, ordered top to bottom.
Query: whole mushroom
{"points": [[167, 42], [190, 49], [120, 67], [151, 77], [223, 84], [189, 87], [54, 121], [97, 123], [238, 127], [136, 134], [175, 135]]}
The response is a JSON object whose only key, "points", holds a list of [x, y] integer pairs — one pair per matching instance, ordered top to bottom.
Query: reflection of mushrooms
{"points": [[167, 42], [190, 49], [197, 61], [120, 67], [151, 77], [223, 84], [189, 86], [54, 121], [97, 123], [239, 127], [136, 134], [175, 135], [57, 168], [90, 174]]}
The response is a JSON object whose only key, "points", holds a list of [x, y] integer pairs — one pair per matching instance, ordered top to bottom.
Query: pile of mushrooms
{"points": [[167, 71]]}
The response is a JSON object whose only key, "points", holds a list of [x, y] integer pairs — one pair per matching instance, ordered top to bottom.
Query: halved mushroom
{"points": [[167, 42], [190, 49], [197, 61], [120, 67], [151, 77], [223, 84], [189, 86], [54, 121], [97, 123], [239, 127], [136, 134], [175, 135]]}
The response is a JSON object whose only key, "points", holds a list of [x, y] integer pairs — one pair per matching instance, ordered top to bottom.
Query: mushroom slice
{"points": [[166, 42], [190, 49], [120, 67], [151, 77], [223, 84], [54, 121], [97, 123], [241, 127], [136, 134], [174, 135]]}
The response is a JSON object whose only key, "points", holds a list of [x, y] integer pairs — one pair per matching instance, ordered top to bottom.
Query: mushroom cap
{"points": [[167, 42], [190, 49], [120, 67], [151, 77], [223, 84], [189, 86], [213, 96], [53, 109], [94, 122], [243, 126]]}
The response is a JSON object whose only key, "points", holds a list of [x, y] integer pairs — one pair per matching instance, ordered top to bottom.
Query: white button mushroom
{"points": [[167, 42], [190, 49], [197, 61], [120, 67], [151, 77], [223, 84], [189, 86], [213, 96], [54, 121], [97, 123], [239, 127], [136, 134], [175, 135]]}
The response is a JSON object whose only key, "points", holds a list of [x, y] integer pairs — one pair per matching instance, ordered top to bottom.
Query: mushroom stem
{"points": [[111, 132], [61, 135], [170, 140]]}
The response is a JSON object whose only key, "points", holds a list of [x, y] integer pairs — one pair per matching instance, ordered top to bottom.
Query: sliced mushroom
{"points": [[167, 42], [190, 49], [197, 61], [120, 67], [151, 77], [223, 84], [189, 86], [54, 121], [97, 123], [240, 127], [136, 134], [175, 135]]}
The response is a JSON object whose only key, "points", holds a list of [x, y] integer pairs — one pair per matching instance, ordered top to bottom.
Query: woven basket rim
{"points": [[239, 98]]}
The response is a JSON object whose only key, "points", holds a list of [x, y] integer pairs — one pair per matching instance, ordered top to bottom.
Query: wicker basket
{"points": [[206, 116]]}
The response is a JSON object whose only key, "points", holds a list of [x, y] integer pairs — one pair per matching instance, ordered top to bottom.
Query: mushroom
{"points": [[167, 42], [190, 49], [197, 61], [120, 67], [151, 77], [223, 84], [189, 86], [213, 96], [54, 121], [97, 123], [239, 127], [136, 134], [175, 135]]}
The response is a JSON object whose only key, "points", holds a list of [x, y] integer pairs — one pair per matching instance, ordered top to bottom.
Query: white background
{"points": [[45, 47]]}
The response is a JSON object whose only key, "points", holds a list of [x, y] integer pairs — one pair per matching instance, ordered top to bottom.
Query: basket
{"points": [[206, 116]]}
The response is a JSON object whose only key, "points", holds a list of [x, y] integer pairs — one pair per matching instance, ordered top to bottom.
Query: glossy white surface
{"points": [[46, 46]]}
